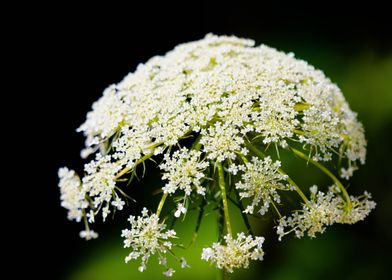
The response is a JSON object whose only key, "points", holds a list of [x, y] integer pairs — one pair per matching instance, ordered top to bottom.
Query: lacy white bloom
{"points": [[225, 87], [230, 100], [108, 112], [276, 120], [355, 138], [222, 142], [183, 170], [260, 182], [99, 183], [72, 196], [361, 207], [325, 209], [315, 215], [147, 237], [236, 253]]}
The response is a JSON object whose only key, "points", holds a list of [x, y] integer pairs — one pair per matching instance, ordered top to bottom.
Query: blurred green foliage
{"points": [[349, 252]]}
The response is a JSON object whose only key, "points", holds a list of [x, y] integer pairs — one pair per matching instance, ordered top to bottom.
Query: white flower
{"points": [[224, 87], [225, 94], [108, 112], [276, 119], [354, 137], [222, 141], [86, 152], [234, 168], [183, 170], [347, 173], [99, 182], [260, 182], [313, 189], [72, 195], [118, 203], [361, 207], [325, 209], [180, 210], [105, 212], [319, 212], [91, 216], [88, 234], [147, 237], [236, 253], [207, 254], [184, 264], [169, 272]]}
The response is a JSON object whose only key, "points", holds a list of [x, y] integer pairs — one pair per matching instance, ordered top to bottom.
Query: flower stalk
{"points": [[327, 172], [222, 186]]}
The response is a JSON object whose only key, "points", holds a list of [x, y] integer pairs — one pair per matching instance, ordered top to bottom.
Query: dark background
{"points": [[66, 56]]}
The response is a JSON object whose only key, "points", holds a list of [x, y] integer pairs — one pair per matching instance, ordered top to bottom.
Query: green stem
{"points": [[196, 145], [255, 150], [244, 159], [126, 169], [280, 170], [122, 172], [327, 172], [298, 190], [224, 198], [161, 203], [276, 209], [243, 214], [85, 221], [198, 222], [225, 274]]}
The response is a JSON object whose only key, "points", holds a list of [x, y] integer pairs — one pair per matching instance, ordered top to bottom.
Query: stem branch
{"points": [[327, 172], [224, 198], [161, 203]]}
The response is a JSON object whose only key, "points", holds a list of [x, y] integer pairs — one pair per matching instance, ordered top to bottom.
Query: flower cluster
{"points": [[213, 115], [222, 141], [184, 171], [261, 182], [96, 191], [72, 197], [325, 209], [148, 237], [236, 253]]}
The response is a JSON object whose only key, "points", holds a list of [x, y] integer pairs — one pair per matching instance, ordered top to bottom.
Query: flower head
{"points": [[212, 109], [222, 141], [183, 170], [260, 182], [72, 194], [361, 206], [325, 209], [88, 234], [148, 237], [236, 253]]}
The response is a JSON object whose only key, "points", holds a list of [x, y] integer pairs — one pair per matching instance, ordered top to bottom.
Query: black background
{"points": [[65, 56]]}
